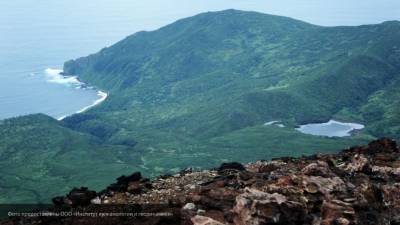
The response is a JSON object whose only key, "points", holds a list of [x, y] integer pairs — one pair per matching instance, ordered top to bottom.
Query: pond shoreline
{"points": [[332, 128]]}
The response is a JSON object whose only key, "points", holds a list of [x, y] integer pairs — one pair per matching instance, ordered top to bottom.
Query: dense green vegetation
{"points": [[197, 92], [40, 158]]}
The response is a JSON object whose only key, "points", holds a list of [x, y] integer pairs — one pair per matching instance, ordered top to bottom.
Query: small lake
{"points": [[331, 128]]}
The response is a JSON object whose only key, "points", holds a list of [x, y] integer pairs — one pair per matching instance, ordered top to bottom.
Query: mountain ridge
{"points": [[191, 24], [133, 76], [201, 95]]}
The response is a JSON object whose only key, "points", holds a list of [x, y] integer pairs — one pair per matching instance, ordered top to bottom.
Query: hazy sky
{"points": [[322, 12], [154, 13], [96, 23]]}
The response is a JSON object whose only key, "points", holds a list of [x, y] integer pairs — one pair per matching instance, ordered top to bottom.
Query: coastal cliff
{"points": [[359, 185]]}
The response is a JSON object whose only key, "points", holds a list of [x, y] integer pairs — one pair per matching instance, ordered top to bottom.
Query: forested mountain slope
{"points": [[219, 72], [198, 92]]}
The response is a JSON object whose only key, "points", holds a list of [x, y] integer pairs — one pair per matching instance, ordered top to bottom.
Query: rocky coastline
{"points": [[359, 185]]}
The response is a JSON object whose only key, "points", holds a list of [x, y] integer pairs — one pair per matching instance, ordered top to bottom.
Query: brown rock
{"points": [[382, 145], [357, 164], [267, 168], [319, 168], [245, 175], [324, 185], [134, 187], [312, 188], [391, 195], [257, 207], [335, 210], [217, 215], [202, 220], [342, 221]]}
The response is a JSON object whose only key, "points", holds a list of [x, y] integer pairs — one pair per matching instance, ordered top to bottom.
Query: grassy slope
{"points": [[197, 92], [40, 158]]}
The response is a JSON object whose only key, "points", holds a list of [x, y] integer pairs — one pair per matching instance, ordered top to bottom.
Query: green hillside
{"points": [[218, 72], [198, 92], [40, 158]]}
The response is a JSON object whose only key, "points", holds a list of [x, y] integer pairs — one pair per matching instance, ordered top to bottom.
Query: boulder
{"points": [[231, 166], [319, 168], [131, 178], [81, 196], [189, 206], [257, 207]]}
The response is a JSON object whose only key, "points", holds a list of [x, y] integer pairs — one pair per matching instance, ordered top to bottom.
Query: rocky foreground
{"points": [[360, 185]]}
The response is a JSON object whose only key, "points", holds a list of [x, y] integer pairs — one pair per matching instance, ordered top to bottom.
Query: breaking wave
{"points": [[56, 76]]}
